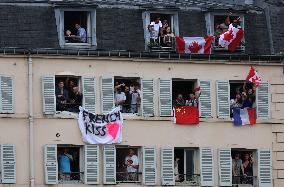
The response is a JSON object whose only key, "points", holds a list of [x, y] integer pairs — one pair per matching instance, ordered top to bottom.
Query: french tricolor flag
{"points": [[246, 116]]}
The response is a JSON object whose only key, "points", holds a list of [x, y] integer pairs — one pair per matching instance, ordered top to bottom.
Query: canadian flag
{"points": [[231, 38], [197, 45], [253, 77]]}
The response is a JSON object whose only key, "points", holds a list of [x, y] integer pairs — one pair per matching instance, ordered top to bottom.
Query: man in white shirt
{"points": [[154, 29], [119, 98], [135, 100], [132, 164]]}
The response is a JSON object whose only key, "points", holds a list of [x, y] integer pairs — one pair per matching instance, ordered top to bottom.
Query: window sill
{"points": [[79, 46], [65, 115]]}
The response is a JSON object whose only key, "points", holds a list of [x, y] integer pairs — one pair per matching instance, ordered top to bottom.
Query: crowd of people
{"points": [[161, 33], [80, 37], [127, 96], [243, 97], [68, 98], [192, 100], [242, 168]]}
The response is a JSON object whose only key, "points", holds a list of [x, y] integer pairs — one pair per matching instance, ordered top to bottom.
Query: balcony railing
{"points": [[158, 45], [73, 177], [128, 177], [187, 179], [244, 181]]}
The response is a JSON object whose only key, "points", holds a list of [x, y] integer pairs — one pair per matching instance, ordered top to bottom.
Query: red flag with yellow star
{"points": [[186, 115]]}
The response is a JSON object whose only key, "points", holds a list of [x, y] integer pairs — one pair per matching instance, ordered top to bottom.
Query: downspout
{"points": [[31, 121]]}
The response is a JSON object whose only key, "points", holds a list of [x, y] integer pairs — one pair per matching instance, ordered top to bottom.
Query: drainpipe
{"points": [[31, 121]]}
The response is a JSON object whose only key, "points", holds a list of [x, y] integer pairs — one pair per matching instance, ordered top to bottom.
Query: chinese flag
{"points": [[186, 115]]}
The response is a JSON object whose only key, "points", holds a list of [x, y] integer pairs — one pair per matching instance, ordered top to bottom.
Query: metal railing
{"points": [[76, 40], [158, 45], [73, 177], [128, 177], [187, 179], [244, 181]]}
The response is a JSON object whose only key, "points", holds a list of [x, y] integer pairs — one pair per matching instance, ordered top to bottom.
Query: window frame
{"points": [[91, 28]]}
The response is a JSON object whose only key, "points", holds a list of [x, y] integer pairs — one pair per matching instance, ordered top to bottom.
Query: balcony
{"points": [[70, 178], [187, 179], [244, 181]]}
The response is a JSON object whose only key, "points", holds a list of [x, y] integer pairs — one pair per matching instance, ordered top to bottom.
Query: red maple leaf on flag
{"points": [[228, 36], [194, 47]]}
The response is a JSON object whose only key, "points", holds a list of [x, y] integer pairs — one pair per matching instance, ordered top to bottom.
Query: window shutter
{"points": [[48, 92], [89, 93], [107, 94], [7, 97], [148, 97], [166, 97], [205, 99], [223, 99], [263, 101], [8, 164], [50, 164], [91, 164], [109, 164], [206, 165], [149, 166], [167, 166], [225, 167], [265, 168]]}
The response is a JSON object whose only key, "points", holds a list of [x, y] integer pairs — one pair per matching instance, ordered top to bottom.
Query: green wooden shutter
{"points": [[48, 93], [107, 94], [7, 95], [89, 96], [262, 96], [147, 97], [165, 97], [223, 99], [205, 108], [8, 164], [50, 164], [91, 164], [109, 164], [149, 166], [167, 166], [206, 166], [225, 167], [265, 168]]}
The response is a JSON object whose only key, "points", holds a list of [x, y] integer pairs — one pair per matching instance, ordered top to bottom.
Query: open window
{"points": [[160, 27], [76, 28], [68, 93], [128, 94], [128, 165], [186, 166]]}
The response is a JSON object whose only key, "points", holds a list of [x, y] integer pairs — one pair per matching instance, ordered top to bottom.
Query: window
{"points": [[217, 23], [76, 27], [160, 29], [183, 92], [68, 93], [127, 94], [69, 163], [128, 165], [185, 166], [243, 167]]}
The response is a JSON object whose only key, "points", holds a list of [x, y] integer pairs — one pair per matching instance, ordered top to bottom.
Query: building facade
{"points": [[36, 56]]}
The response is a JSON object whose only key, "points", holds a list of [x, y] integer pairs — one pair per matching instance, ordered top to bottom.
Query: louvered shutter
{"points": [[48, 93], [107, 94], [7, 96], [89, 96], [148, 97], [165, 97], [205, 99], [223, 99], [262, 107], [8, 164], [50, 164], [91, 164], [109, 164], [149, 166], [167, 166], [206, 166], [225, 167], [265, 168]]}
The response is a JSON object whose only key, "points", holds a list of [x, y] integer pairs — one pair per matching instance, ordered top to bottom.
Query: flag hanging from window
{"points": [[231, 38], [194, 45], [253, 77], [186, 115], [246, 116]]}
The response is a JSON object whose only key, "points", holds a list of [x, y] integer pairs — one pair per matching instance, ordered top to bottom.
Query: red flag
{"points": [[231, 38], [194, 45], [253, 77], [186, 115]]}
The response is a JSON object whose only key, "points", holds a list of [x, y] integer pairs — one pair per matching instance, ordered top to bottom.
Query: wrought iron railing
{"points": [[159, 45], [70, 177], [128, 177], [187, 179], [244, 181]]}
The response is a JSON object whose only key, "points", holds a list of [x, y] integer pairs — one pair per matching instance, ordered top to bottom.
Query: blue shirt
{"points": [[81, 33], [64, 164]]}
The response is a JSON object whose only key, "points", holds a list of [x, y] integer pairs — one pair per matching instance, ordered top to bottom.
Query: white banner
{"points": [[100, 128]]}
